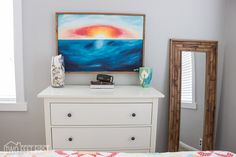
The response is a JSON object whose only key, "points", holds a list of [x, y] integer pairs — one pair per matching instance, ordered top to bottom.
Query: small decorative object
{"points": [[101, 42], [57, 71], [145, 76], [105, 78], [103, 82]]}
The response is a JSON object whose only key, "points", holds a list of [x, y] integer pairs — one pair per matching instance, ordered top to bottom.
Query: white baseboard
{"points": [[187, 147]]}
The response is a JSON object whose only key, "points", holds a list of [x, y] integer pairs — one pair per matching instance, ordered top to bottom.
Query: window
{"points": [[7, 80], [188, 81], [11, 89]]}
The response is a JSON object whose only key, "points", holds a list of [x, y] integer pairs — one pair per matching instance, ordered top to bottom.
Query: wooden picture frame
{"points": [[109, 14], [176, 47]]}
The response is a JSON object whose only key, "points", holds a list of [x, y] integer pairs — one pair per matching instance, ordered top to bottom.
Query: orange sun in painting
{"points": [[99, 32]]}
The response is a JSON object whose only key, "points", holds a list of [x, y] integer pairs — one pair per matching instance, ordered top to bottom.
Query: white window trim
{"points": [[19, 104], [194, 104]]}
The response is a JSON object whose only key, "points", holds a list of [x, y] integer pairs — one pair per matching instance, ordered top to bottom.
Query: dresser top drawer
{"points": [[101, 114]]}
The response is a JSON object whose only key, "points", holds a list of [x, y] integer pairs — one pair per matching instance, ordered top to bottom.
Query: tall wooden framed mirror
{"points": [[193, 74]]}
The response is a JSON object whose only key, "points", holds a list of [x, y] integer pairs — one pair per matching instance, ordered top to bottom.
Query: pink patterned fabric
{"points": [[61, 153]]}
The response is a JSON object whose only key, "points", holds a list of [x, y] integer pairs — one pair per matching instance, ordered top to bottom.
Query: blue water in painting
{"points": [[101, 55]]}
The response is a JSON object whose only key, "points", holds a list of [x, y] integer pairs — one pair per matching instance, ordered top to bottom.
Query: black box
{"points": [[104, 78]]}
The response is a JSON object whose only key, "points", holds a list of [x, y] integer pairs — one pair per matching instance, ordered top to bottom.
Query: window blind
{"points": [[7, 65], [187, 78]]}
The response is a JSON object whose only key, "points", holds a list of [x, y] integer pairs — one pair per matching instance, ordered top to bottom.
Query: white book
{"points": [[102, 86]]}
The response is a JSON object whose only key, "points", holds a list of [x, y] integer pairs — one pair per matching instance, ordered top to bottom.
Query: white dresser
{"points": [[120, 119]]}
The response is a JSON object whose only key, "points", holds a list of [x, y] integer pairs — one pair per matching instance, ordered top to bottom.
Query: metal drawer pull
{"points": [[133, 114], [69, 115], [132, 138], [70, 139]]}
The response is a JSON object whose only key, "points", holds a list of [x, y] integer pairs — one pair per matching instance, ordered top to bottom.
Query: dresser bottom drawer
{"points": [[101, 138]]}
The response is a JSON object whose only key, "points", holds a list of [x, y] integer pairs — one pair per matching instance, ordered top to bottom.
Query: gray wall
{"points": [[190, 19], [193, 118], [227, 125]]}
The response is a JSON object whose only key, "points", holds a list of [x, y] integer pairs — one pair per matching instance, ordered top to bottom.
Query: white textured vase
{"points": [[57, 71]]}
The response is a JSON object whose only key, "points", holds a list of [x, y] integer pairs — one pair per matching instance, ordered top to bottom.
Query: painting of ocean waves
{"points": [[100, 42], [101, 55]]}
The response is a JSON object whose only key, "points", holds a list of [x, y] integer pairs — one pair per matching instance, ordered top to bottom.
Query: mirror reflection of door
{"points": [[192, 100]]}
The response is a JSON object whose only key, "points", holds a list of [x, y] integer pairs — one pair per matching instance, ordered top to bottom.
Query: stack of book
{"points": [[103, 82]]}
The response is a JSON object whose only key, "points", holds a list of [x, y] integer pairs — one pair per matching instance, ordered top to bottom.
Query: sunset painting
{"points": [[100, 42]]}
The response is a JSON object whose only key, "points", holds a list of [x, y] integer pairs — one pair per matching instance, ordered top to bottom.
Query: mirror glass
{"points": [[192, 100]]}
